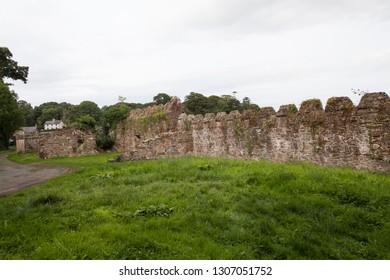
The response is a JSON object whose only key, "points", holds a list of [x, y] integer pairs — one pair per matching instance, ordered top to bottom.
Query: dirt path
{"points": [[14, 176]]}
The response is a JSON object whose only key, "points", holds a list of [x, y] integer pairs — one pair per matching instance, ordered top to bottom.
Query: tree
{"points": [[9, 68], [121, 98], [161, 98], [195, 103], [214, 103], [232, 103], [248, 105], [86, 108], [53, 110], [28, 113], [49, 114], [111, 116], [11, 117], [85, 122]]}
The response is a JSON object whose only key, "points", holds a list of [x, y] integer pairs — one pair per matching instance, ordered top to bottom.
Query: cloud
{"points": [[271, 51]]}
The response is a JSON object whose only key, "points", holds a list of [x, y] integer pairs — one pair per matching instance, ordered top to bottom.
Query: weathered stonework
{"points": [[340, 135], [27, 139], [66, 142]]}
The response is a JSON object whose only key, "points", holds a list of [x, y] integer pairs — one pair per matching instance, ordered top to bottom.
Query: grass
{"points": [[197, 208]]}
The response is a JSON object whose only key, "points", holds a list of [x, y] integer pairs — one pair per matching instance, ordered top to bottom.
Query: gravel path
{"points": [[14, 176]]}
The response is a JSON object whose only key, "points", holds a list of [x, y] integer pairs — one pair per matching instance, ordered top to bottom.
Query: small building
{"points": [[54, 124], [27, 139]]}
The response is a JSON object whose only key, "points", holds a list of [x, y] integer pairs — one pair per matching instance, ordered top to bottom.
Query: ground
{"points": [[14, 176]]}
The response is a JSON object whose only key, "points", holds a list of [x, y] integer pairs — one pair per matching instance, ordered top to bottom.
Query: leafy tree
{"points": [[9, 68], [121, 98], [161, 98], [195, 103], [231, 103], [214, 104], [248, 105], [133, 106], [85, 108], [90, 108], [53, 110], [67, 110], [28, 113], [49, 114], [111, 116], [11, 117], [85, 122], [104, 141]]}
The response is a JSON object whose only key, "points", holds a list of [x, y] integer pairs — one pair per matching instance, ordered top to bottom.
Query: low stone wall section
{"points": [[66, 143]]}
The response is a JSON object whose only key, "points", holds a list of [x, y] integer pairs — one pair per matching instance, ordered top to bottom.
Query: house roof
{"points": [[53, 122], [29, 129]]}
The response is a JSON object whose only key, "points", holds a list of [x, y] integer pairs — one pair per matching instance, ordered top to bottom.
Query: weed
{"points": [[147, 121], [187, 124], [238, 129], [205, 167], [106, 175], [49, 199], [154, 211]]}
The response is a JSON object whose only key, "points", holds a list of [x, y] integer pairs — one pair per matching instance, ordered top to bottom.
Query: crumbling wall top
{"points": [[374, 100], [336, 104]]}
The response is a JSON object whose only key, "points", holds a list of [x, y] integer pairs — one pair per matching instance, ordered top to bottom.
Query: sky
{"points": [[274, 52]]}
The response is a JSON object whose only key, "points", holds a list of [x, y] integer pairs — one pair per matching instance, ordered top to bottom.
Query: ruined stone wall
{"points": [[154, 132], [340, 135], [66, 142], [25, 144]]}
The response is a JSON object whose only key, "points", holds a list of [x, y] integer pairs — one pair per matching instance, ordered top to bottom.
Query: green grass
{"points": [[197, 208]]}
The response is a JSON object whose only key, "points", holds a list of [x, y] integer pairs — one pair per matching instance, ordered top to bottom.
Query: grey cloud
{"points": [[253, 16]]}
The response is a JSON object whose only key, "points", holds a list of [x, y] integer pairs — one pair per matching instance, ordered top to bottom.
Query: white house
{"points": [[54, 124]]}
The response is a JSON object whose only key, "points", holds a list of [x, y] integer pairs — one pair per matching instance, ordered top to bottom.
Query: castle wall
{"points": [[339, 135], [66, 142]]}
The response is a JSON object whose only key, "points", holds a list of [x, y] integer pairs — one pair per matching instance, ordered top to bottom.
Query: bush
{"points": [[104, 142]]}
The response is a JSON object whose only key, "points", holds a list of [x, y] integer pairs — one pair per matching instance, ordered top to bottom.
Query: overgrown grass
{"points": [[197, 208]]}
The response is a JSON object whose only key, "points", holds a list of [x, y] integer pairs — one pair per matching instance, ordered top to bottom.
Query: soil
{"points": [[15, 176]]}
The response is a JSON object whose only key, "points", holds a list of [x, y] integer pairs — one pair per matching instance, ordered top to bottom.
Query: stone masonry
{"points": [[340, 135], [66, 142]]}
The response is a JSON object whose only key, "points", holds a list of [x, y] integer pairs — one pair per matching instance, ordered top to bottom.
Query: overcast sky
{"points": [[274, 52]]}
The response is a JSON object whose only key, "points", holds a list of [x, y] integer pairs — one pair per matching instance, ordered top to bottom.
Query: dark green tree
{"points": [[9, 68], [161, 98], [196, 103], [214, 103], [232, 103], [248, 105], [85, 108], [53, 110], [67, 110], [28, 113], [48, 114], [111, 116], [11, 117], [85, 122]]}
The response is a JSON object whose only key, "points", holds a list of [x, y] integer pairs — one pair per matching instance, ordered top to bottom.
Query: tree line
{"points": [[87, 115]]}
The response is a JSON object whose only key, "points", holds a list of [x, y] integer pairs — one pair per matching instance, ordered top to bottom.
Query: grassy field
{"points": [[197, 208]]}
